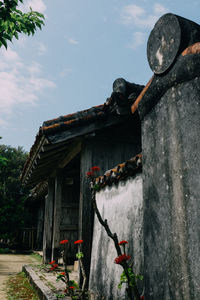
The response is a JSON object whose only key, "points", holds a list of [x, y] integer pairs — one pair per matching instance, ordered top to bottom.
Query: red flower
{"points": [[95, 169], [89, 174], [64, 241], [78, 242], [123, 242], [121, 258], [52, 262], [55, 266], [52, 268], [62, 273], [71, 287]]}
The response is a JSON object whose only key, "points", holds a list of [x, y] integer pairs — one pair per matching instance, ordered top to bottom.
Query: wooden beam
{"points": [[74, 150]]}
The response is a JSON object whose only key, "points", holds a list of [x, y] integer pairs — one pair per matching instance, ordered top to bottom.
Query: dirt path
{"points": [[11, 264]]}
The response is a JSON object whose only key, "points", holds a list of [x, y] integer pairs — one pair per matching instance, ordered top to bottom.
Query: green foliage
{"points": [[13, 21], [3, 161], [96, 187], [12, 194], [5, 250], [79, 255], [132, 278], [60, 295]]}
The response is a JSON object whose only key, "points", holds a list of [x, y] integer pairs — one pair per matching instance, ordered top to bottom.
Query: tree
{"points": [[13, 21], [12, 194]]}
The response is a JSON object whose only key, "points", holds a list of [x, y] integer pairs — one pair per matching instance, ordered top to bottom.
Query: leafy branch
{"points": [[13, 21]]}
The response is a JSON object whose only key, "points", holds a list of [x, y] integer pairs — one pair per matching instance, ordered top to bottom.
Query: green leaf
{"points": [[3, 41], [79, 255]]}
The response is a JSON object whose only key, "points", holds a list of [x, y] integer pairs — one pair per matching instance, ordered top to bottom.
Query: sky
{"points": [[71, 63]]}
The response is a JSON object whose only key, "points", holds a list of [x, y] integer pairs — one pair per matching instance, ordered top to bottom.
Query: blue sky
{"points": [[71, 64]]}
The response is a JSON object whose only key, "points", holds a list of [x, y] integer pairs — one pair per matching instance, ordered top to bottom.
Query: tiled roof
{"points": [[72, 120], [57, 133], [120, 172]]}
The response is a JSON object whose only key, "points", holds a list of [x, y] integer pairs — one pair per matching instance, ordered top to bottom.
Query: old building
{"points": [[64, 150]]}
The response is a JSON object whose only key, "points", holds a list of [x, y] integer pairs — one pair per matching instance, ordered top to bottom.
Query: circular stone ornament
{"points": [[164, 43]]}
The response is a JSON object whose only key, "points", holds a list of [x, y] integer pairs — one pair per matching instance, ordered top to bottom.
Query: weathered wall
{"points": [[169, 108], [171, 172], [122, 206]]}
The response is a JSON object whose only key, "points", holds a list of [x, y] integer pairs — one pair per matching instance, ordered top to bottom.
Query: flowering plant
{"points": [[92, 171], [64, 242], [78, 242], [122, 242], [121, 258], [52, 262], [72, 288]]}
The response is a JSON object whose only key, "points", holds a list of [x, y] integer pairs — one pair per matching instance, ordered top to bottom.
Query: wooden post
{"points": [[57, 216], [48, 219], [40, 225]]}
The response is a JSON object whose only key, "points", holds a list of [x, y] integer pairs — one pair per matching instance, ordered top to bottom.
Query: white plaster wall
{"points": [[122, 206]]}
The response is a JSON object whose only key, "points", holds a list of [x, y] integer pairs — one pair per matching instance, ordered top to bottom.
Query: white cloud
{"points": [[37, 5], [137, 15], [138, 39], [72, 41], [42, 48], [10, 55], [34, 68], [21, 84]]}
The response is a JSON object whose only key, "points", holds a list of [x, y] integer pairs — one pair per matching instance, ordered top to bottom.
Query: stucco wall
{"points": [[171, 172], [122, 206]]}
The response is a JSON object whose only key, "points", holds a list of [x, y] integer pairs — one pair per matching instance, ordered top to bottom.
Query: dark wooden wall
{"points": [[70, 213]]}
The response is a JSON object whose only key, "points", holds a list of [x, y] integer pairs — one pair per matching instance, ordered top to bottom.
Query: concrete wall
{"points": [[171, 172], [122, 206]]}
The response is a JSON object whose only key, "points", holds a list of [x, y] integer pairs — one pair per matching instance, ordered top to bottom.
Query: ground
{"points": [[11, 264]]}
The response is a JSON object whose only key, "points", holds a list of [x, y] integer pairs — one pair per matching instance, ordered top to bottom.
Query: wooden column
{"points": [[57, 215], [48, 222], [40, 224]]}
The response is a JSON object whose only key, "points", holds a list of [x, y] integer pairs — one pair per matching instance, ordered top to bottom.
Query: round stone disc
{"points": [[163, 43]]}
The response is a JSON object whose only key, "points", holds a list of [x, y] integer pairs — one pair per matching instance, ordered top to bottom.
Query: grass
{"points": [[5, 250], [36, 257], [19, 288]]}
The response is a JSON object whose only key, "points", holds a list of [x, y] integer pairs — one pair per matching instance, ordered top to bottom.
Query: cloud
{"points": [[37, 5], [136, 15], [138, 39], [72, 41], [42, 48], [10, 55], [34, 68], [21, 84]]}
